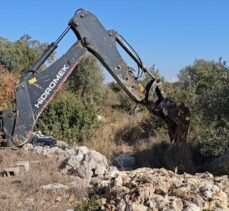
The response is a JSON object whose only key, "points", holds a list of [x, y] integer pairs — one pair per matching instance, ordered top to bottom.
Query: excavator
{"points": [[36, 88]]}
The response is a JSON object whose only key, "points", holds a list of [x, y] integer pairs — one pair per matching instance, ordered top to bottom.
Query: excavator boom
{"points": [[36, 89]]}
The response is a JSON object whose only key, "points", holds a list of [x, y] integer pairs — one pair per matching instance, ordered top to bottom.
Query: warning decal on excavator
{"points": [[32, 81], [141, 88]]}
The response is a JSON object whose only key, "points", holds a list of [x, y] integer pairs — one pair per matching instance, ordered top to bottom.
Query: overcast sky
{"points": [[170, 34]]}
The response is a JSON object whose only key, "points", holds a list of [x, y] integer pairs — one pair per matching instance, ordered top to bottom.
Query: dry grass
{"points": [[122, 133], [106, 139], [164, 154], [24, 192]]}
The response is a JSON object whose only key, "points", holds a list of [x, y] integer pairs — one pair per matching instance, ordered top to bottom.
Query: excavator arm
{"points": [[36, 89]]}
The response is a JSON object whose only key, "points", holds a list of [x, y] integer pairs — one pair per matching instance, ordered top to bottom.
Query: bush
{"points": [[203, 86], [7, 88], [123, 101], [67, 118], [139, 131], [214, 140], [91, 204]]}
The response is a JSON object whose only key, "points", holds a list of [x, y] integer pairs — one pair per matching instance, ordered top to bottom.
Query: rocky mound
{"points": [[80, 162], [140, 189], [160, 189]]}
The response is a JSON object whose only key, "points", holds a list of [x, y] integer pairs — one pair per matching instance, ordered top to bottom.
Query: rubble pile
{"points": [[60, 147], [80, 162], [84, 163], [140, 189], [160, 189]]}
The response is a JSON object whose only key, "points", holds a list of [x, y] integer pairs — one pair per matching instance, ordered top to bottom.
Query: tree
{"points": [[21, 54], [87, 81], [204, 87], [7, 88]]}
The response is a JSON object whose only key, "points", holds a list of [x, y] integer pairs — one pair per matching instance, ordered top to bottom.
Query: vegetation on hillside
{"points": [[7, 85], [203, 86], [72, 115]]}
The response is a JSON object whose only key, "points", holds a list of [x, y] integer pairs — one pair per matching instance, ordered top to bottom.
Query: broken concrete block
{"points": [[23, 165], [2, 172], [9, 172]]}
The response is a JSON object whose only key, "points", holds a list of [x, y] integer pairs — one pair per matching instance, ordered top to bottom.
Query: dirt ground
{"points": [[24, 192]]}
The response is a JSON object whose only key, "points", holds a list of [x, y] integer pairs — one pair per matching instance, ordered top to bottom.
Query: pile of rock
{"points": [[60, 147], [80, 162], [84, 163], [141, 189], [160, 189]]}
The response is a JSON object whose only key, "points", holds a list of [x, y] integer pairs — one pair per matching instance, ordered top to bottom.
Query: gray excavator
{"points": [[37, 88]]}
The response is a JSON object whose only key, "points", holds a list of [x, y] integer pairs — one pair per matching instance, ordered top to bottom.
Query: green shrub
{"points": [[203, 87], [123, 101], [67, 118], [138, 131], [214, 140], [92, 204]]}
